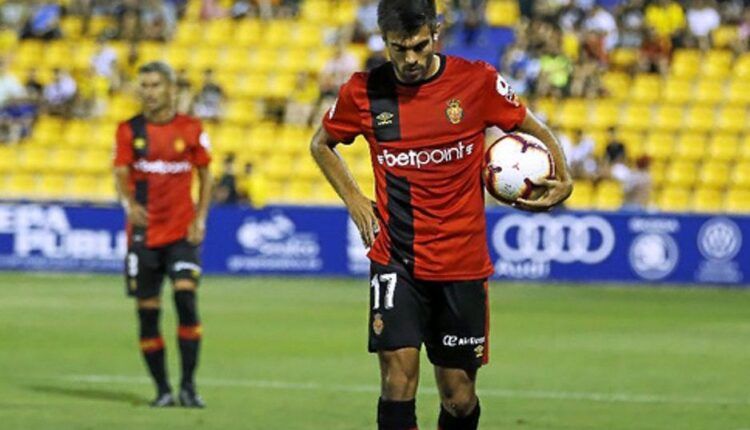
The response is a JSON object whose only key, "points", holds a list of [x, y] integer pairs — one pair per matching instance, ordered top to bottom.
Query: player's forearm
{"points": [[536, 128], [334, 168], [121, 185], [204, 196]]}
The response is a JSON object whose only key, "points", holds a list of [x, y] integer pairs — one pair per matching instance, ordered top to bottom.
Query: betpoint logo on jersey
{"points": [[425, 157], [161, 167], [42, 236]]}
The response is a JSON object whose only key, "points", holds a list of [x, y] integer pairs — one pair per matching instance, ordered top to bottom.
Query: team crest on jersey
{"points": [[454, 112], [385, 118], [139, 143], [179, 145], [377, 324]]}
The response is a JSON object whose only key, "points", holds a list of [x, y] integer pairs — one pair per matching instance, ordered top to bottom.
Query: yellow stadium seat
{"points": [[316, 11], [502, 13], [72, 27], [218, 32], [247, 33], [277, 33], [188, 34], [307, 35], [724, 36], [28, 54], [179, 57], [624, 58], [685, 63], [717, 64], [742, 66], [617, 84], [280, 85], [646, 88], [678, 90], [709, 91], [738, 91], [546, 106], [240, 113], [573, 114], [604, 114], [636, 117], [668, 117], [699, 118], [732, 119], [659, 145], [691, 147], [723, 147], [744, 151], [34, 160], [95, 161], [657, 170], [681, 174], [714, 174], [741, 175], [22, 185], [53, 186], [83, 186], [298, 191], [608, 196], [582, 197], [674, 199], [707, 200], [737, 201]]}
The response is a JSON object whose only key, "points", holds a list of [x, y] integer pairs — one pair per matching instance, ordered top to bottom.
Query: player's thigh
{"points": [[183, 265], [144, 272], [399, 309], [457, 335]]}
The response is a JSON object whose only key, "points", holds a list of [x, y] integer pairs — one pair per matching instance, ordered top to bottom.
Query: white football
{"points": [[514, 164]]}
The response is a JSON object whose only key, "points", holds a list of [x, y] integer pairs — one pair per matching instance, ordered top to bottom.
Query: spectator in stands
{"points": [[241, 9], [12, 14], [128, 16], [702, 18], [667, 19], [157, 20], [367, 20], [44, 22], [630, 23], [602, 24], [742, 43], [655, 53], [519, 61], [104, 63], [337, 70], [554, 73], [34, 87], [184, 93], [60, 94], [91, 95], [209, 102], [301, 102], [12, 105], [615, 149], [579, 152], [635, 181], [253, 187], [225, 191]]}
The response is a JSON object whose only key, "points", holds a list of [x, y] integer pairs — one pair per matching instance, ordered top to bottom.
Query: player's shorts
{"points": [[145, 267], [450, 318]]}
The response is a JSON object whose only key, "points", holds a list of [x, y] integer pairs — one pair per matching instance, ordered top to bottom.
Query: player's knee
{"points": [[184, 285], [149, 303], [400, 377], [459, 401]]}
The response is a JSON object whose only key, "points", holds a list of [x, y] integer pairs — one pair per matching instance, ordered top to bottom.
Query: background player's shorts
{"points": [[145, 268], [450, 318]]}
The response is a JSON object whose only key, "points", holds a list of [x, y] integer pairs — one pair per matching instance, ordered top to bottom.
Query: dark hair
{"points": [[406, 16], [161, 68]]}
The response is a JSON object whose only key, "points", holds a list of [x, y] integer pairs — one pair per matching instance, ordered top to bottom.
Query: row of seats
{"points": [[687, 63], [648, 88]]}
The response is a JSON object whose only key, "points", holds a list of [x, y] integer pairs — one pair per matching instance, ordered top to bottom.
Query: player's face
{"points": [[413, 56], [155, 91]]}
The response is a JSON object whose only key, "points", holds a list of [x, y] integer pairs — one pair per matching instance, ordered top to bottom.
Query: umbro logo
{"points": [[383, 119]]}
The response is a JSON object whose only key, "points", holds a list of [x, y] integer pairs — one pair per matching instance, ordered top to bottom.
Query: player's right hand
{"points": [[362, 213], [136, 214]]}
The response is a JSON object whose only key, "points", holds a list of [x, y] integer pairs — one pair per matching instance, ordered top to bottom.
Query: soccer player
{"points": [[424, 116], [155, 155]]}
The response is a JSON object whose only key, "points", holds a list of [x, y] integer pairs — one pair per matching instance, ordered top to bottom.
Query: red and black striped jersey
{"points": [[426, 148], [161, 158]]}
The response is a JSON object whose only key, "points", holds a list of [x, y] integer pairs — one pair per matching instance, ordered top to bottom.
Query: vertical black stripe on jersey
{"points": [[381, 90], [138, 127], [400, 221]]}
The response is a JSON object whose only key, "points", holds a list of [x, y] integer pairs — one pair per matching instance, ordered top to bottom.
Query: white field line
{"points": [[485, 392]]}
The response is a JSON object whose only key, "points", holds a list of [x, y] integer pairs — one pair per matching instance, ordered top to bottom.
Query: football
{"points": [[514, 163]]}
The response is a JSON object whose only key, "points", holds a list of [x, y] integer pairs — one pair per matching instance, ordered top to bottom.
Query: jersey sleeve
{"points": [[502, 107], [342, 121], [202, 151], [123, 154]]}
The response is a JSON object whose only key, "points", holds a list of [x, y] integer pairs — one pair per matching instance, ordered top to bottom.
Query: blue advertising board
{"points": [[289, 240]]}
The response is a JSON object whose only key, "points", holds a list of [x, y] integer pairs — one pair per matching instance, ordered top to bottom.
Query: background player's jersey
{"points": [[426, 147], [161, 158]]}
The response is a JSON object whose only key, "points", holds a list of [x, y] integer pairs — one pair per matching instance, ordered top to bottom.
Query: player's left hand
{"points": [[556, 192], [196, 231]]}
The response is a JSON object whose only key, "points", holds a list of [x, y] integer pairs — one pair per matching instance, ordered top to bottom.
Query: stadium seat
{"points": [[502, 13], [217, 33], [247, 33], [724, 36], [624, 58], [685, 63], [717, 64], [741, 67], [617, 84], [646, 88], [678, 90], [709, 91], [738, 91], [573, 114], [604, 114], [636, 117], [668, 117], [699, 119], [731, 119], [659, 145], [691, 146], [723, 147], [658, 171], [681, 174], [714, 174], [741, 175], [21, 185], [83, 186], [53, 187], [608, 196], [582, 197], [674, 199], [707, 200], [737, 201]]}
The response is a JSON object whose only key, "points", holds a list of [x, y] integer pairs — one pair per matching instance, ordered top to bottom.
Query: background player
{"points": [[424, 116], [154, 160]]}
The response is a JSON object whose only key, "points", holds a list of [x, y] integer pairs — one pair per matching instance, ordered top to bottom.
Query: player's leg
{"points": [[185, 271], [144, 275], [397, 318], [457, 346]]}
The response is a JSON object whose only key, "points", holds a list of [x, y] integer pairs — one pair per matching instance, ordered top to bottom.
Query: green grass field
{"points": [[290, 354]]}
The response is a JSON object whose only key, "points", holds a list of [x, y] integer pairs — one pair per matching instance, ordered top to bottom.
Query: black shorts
{"points": [[145, 267], [450, 318]]}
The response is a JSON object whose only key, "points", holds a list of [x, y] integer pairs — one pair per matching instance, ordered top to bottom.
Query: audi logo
{"points": [[544, 238]]}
